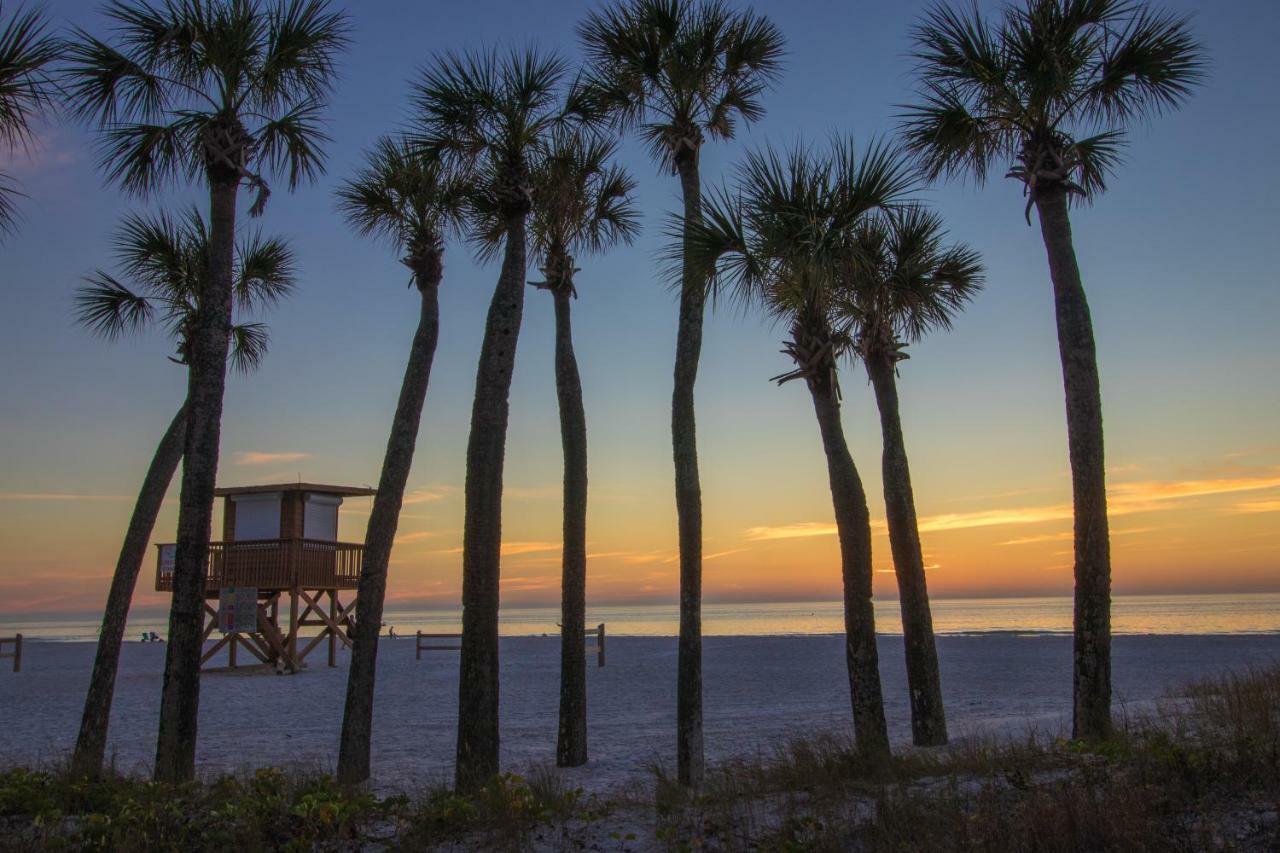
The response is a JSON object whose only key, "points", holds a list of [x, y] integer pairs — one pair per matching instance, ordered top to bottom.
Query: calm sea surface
{"points": [[1132, 614]]}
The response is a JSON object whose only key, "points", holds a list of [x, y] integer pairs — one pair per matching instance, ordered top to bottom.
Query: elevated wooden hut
{"points": [[279, 551]]}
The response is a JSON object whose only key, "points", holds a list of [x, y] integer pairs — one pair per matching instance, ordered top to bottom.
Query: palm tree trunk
{"points": [[206, 382], [853, 524], [1091, 707], [357, 718], [928, 719], [92, 742], [571, 743], [477, 749], [690, 762]]}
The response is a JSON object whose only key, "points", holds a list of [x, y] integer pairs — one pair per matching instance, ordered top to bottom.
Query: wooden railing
{"points": [[276, 564], [446, 642], [433, 643], [16, 654]]}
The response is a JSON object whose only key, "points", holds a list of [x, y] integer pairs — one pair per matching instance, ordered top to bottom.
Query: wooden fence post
{"points": [[418, 645], [600, 646], [17, 654]]}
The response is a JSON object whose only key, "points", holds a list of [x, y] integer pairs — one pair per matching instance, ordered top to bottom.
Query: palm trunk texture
{"points": [[206, 382], [853, 523], [1091, 706], [357, 718], [928, 719], [571, 742], [91, 743], [477, 750], [690, 762]]}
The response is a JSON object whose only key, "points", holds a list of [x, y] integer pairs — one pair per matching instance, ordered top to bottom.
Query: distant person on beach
{"points": [[391, 632]]}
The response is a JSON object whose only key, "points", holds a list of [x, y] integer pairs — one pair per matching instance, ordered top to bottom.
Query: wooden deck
{"points": [[275, 564]]}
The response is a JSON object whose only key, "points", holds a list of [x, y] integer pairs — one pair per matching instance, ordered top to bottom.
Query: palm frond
{"points": [[292, 141], [266, 272], [108, 308], [248, 346]]}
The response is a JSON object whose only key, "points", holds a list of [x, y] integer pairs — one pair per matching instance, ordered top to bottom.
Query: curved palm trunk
{"points": [[206, 382], [853, 523], [1091, 707], [357, 716], [928, 719], [91, 743], [571, 743], [477, 748], [690, 764]]}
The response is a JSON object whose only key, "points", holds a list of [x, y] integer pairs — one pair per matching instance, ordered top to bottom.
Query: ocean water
{"points": [[1131, 614]]}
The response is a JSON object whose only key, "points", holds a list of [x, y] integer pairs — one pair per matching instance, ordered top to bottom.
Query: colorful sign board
{"points": [[238, 609]]}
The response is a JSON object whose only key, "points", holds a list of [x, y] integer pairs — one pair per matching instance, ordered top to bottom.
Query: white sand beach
{"points": [[758, 691]]}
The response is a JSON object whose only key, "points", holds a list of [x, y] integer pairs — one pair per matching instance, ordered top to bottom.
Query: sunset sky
{"points": [[1178, 261]]}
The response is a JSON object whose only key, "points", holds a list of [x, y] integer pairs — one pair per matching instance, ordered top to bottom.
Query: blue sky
{"points": [[1177, 259]]}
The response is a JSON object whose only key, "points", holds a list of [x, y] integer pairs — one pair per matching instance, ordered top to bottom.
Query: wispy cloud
{"points": [[259, 457], [531, 493], [426, 495], [61, 496], [1123, 499], [1251, 507], [798, 530], [1067, 535], [406, 538], [514, 549], [717, 555]]}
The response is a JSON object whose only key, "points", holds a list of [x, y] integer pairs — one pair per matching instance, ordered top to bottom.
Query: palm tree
{"points": [[680, 71], [1050, 88], [26, 90], [206, 90], [494, 112], [414, 201], [581, 205], [783, 240], [165, 260], [903, 284]]}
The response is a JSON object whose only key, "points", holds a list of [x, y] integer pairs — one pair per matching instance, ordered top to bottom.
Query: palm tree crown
{"points": [[680, 69], [219, 86], [1049, 88], [26, 89], [491, 113], [410, 197], [581, 204], [785, 237], [166, 260], [904, 282]]}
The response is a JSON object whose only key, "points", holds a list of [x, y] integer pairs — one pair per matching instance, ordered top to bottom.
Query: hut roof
{"points": [[317, 488]]}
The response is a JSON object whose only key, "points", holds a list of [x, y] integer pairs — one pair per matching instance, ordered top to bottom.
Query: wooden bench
{"points": [[433, 646], [16, 654]]}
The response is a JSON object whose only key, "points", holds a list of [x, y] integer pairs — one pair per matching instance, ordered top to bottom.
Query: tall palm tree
{"points": [[680, 71], [1050, 88], [26, 90], [210, 91], [493, 111], [414, 201], [581, 204], [783, 240], [165, 260], [902, 284]]}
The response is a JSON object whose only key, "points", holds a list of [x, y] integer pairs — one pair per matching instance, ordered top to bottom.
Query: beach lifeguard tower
{"points": [[279, 550]]}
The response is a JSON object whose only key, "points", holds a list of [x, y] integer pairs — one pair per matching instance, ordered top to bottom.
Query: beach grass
{"points": [[1202, 772]]}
